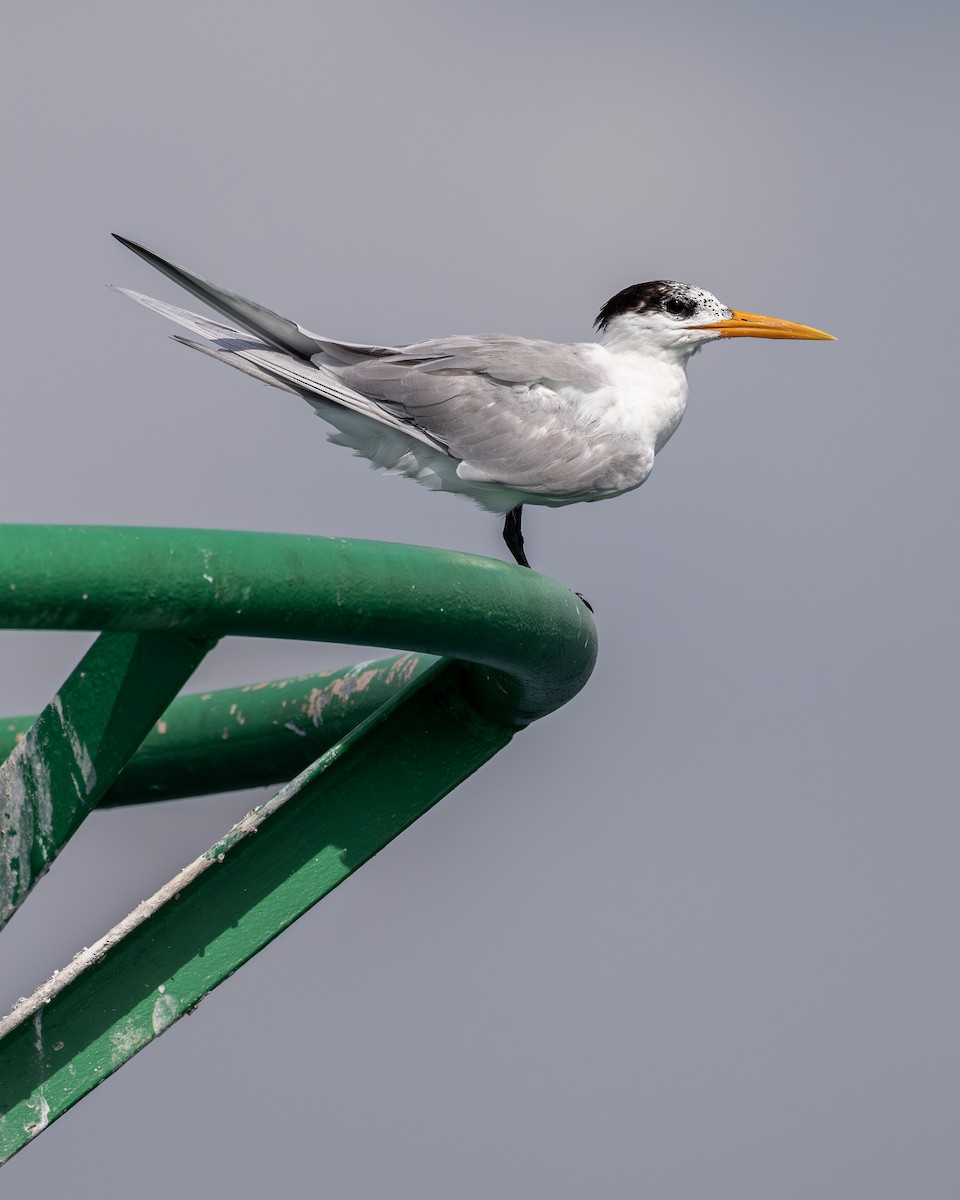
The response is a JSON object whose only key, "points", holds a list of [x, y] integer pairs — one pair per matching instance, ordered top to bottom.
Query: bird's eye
{"points": [[675, 307]]}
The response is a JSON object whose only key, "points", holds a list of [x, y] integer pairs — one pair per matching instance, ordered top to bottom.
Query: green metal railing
{"points": [[372, 747]]}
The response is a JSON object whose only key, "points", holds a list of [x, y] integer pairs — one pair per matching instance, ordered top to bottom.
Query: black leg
{"points": [[513, 535]]}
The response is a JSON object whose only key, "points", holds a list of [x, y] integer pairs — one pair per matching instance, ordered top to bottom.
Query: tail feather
{"points": [[266, 324], [277, 330], [233, 360], [279, 367]]}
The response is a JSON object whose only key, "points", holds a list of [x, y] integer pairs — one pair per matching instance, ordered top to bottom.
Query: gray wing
{"points": [[258, 358], [506, 407]]}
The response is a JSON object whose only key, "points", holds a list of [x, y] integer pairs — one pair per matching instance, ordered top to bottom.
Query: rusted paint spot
{"points": [[403, 668], [344, 688], [317, 701], [161, 727]]}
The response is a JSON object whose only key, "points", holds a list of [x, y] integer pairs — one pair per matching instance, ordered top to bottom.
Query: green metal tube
{"points": [[534, 641], [251, 736], [61, 768]]}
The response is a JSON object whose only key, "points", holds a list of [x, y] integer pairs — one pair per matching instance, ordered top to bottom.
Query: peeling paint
{"points": [[402, 668], [344, 688], [317, 701], [81, 755], [27, 814], [38, 1034]]}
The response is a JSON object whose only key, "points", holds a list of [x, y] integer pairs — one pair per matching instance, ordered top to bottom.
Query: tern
{"points": [[505, 421]]}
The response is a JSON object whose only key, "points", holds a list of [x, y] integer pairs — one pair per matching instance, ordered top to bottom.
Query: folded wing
{"points": [[506, 410]]}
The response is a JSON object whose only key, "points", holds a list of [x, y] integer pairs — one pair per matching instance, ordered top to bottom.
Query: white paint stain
{"points": [[293, 729], [81, 755], [26, 819], [165, 1012], [38, 1035], [125, 1041], [42, 1109]]}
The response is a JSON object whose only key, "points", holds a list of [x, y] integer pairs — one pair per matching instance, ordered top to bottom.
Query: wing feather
{"points": [[309, 379], [506, 407], [506, 410]]}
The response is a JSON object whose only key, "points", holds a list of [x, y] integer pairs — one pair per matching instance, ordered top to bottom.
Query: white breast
{"points": [[635, 414]]}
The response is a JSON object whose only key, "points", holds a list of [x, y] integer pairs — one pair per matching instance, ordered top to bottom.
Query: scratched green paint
{"points": [[68, 758]]}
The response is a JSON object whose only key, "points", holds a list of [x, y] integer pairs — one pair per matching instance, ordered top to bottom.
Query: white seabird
{"points": [[505, 421]]}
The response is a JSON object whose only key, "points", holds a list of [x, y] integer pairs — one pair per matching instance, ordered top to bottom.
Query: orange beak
{"points": [[744, 324]]}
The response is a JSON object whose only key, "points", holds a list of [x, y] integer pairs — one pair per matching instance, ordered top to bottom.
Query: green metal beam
{"points": [[533, 640], [251, 736], [72, 753]]}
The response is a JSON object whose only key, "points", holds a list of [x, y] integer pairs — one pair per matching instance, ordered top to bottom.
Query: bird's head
{"points": [[664, 316]]}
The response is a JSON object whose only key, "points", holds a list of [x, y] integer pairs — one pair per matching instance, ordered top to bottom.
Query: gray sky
{"points": [[694, 935]]}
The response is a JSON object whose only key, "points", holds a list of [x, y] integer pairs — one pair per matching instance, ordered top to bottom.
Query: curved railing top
{"points": [[534, 643]]}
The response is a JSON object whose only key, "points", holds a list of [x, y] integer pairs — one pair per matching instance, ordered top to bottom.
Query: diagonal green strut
{"points": [[74, 750]]}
